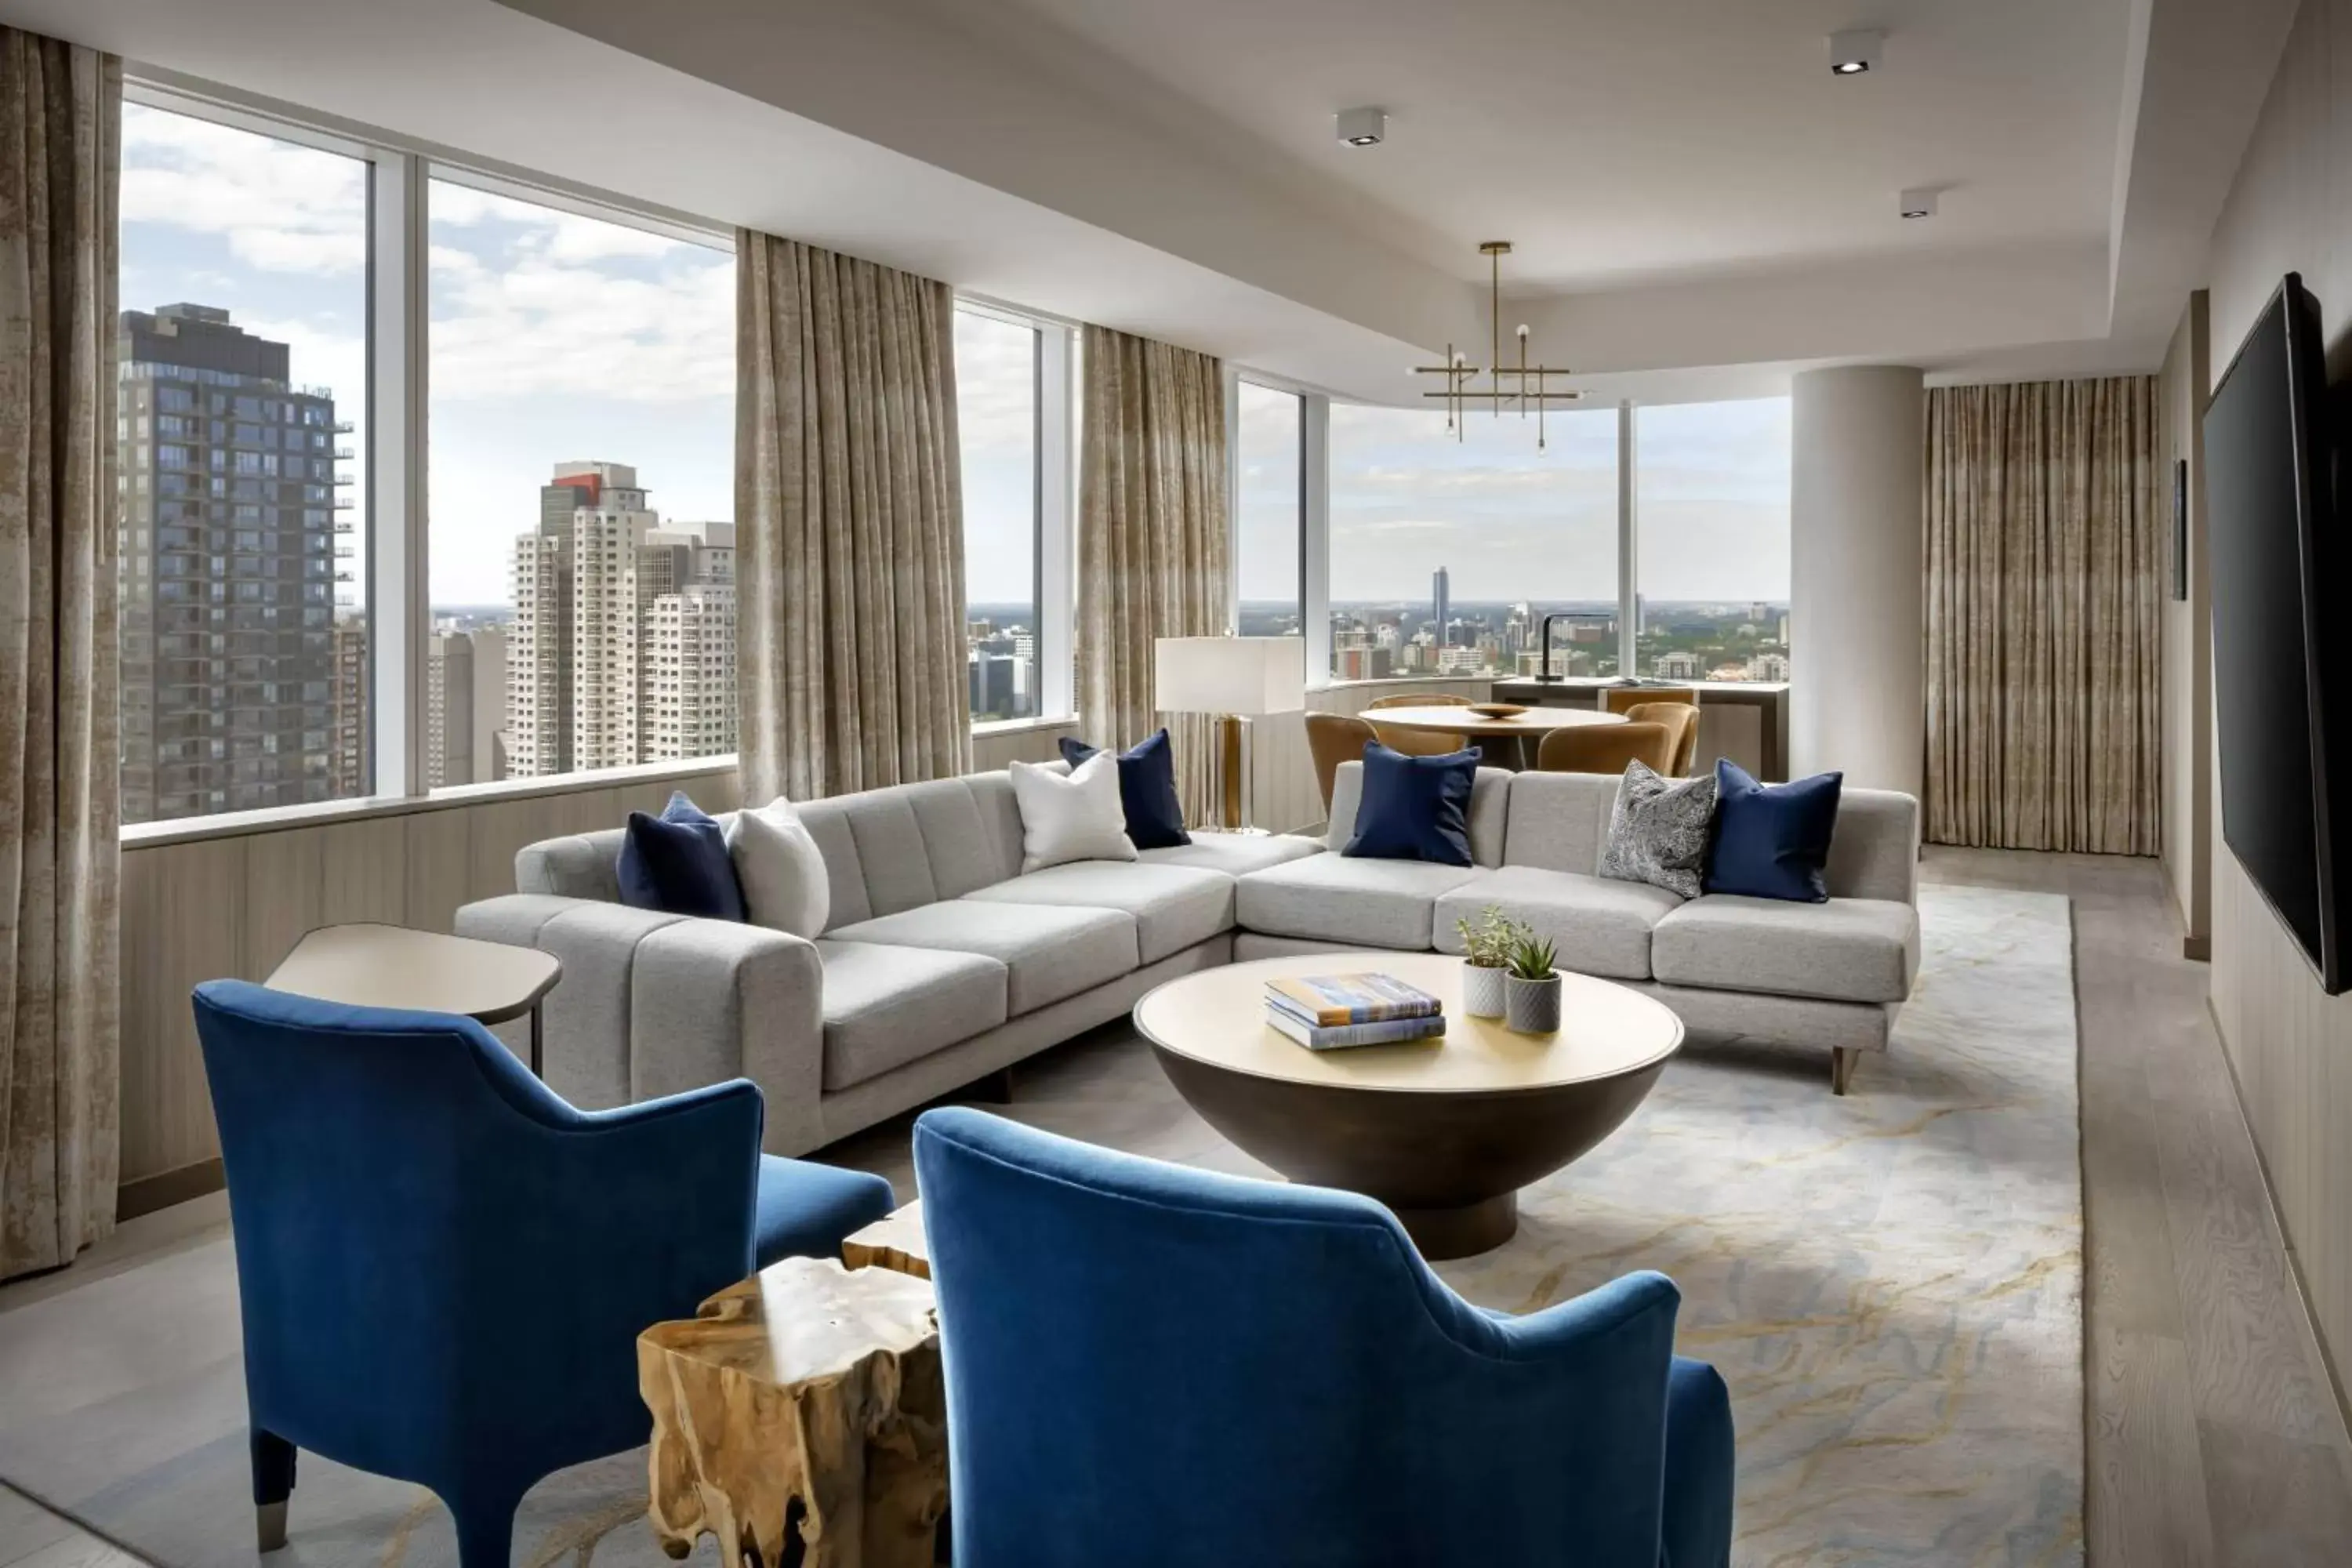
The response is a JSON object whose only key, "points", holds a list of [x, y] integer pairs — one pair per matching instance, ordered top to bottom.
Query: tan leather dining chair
{"points": [[1625, 698], [1408, 700], [1682, 719], [1333, 739], [1606, 748]]}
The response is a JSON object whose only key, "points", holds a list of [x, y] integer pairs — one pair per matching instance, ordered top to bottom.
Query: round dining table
{"points": [[1524, 731]]}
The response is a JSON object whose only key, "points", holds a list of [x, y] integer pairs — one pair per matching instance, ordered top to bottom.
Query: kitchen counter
{"points": [[1746, 720]]}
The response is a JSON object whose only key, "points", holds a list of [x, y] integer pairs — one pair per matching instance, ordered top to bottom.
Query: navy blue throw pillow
{"points": [[1147, 790], [1414, 808], [1772, 841], [678, 863]]}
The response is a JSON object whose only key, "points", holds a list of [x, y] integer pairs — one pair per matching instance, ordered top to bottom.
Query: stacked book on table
{"points": [[1326, 1012]]}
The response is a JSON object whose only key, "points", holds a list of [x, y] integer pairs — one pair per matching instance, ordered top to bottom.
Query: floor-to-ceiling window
{"points": [[999, 369], [581, 372], [1269, 506], [1712, 512], [244, 526], [1446, 554]]}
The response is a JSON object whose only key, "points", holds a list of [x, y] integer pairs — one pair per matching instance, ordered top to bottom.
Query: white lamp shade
{"points": [[1249, 676]]}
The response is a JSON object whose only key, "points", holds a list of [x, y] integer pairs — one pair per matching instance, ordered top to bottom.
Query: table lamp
{"points": [[1236, 679]]}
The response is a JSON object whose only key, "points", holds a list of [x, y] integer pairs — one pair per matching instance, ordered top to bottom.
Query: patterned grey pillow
{"points": [[1658, 830]]}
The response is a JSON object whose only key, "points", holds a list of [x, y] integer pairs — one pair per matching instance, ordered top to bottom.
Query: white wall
{"points": [[1858, 697]]}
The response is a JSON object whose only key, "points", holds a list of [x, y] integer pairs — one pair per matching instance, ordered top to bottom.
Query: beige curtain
{"points": [[60, 115], [850, 512], [1151, 539], [2044, 560]]}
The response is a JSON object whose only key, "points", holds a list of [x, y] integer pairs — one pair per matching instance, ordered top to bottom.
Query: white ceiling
{"points": [[1622, 143], [1700, 207]]}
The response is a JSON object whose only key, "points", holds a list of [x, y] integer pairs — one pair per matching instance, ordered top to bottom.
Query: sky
{"points": [[556, 337]]}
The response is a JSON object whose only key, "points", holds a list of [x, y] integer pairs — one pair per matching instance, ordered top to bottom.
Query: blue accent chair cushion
{"points": [[1146, 789], [1414, 808], [1772, 841], [678, 863], [443, 1267], [1157, 1366]]}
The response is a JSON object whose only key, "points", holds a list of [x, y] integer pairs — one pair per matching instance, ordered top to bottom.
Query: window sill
{"points": [[1404, 680], [1022, 726], [278, 819]]}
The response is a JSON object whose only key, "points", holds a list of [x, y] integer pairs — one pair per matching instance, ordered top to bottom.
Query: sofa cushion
{"points": [[1146, 789], [1489, 795], [1414, 808], [1071, 815], [1659, 830], [1772, 841], [1234, 854], [678, 863], [1339, 898], [1173, 906], [1600, 926], [1847, 950], [1051, 952], [886, 1007]]}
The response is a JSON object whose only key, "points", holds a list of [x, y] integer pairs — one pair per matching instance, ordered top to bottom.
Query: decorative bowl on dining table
{"points": [[1498, 710]]}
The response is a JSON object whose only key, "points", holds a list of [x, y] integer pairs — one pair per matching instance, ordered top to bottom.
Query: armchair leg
{"points": [[1841, 1060], [273, 1483]]}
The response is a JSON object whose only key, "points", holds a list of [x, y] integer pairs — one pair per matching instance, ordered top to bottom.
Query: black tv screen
{"points": [[2278, 686]]}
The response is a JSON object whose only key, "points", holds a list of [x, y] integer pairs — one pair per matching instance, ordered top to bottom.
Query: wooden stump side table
{"points": [[895, 1241], [807, 1383]]}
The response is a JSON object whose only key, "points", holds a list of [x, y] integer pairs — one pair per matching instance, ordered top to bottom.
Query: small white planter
{"points": [[1481, 991], [1531, 1006]]}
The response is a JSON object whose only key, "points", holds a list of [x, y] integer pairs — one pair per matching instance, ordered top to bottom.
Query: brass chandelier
{"points": [[1522, 386]]}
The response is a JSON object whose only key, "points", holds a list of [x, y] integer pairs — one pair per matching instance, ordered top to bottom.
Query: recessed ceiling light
{"points": [[1855, 50], [1364, 127], [1918, 203]]}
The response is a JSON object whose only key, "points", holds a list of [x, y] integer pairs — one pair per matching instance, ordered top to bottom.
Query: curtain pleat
{"points": [[60, 115], [850, 510], [1152, 539], [2045, 559]]}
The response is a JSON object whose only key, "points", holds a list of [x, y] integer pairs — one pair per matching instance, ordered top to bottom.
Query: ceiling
{"points": [[1646, 142], [1700, 207]]}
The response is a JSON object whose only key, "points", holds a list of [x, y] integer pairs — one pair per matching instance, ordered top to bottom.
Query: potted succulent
{"points": [[1487, 953], [1531, 986]]}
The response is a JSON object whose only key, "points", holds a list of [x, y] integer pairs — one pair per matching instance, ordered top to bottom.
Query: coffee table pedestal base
{"points": [[1465, 1231]]}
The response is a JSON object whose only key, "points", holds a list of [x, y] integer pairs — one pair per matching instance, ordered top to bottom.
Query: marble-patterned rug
{"points": [[1890, 1282]]}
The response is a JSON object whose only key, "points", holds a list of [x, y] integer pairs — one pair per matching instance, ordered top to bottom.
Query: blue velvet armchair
{"points": [[444, 1266], [1152, 1365]]}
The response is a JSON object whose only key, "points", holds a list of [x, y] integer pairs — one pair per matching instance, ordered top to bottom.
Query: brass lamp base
{"points": [[1232, 775]]}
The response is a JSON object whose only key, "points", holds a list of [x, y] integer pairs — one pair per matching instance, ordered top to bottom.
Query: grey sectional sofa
{"points": [[943, 962]]}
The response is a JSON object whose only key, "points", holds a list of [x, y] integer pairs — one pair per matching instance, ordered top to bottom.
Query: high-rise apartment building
{"points": [[228, 518], [1441, 604], [623, 646], [689, 673], [448, 710], [347, 758]]}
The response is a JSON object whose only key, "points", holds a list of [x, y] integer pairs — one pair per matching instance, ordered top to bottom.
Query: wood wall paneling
{"points": [[2290, 209]]}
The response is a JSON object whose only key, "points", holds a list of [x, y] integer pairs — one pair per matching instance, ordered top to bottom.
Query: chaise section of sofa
{"points": [[941, 961]]}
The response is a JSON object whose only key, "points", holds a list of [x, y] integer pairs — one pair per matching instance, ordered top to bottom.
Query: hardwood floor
{"points": [[2212, 1434]]}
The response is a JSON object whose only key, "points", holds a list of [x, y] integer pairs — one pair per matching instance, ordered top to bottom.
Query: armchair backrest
{"points": [[423, 1228], [1149, 1363]]}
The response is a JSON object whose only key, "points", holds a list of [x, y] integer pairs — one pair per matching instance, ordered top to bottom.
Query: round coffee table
{"points": [[1445, 1131]]}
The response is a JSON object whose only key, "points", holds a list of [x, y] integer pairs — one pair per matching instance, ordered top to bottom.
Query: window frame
{"points": [[1315, 521], [395, 567]]}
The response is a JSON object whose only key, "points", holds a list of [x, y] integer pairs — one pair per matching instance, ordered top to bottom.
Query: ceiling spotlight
{"points": [[1855, 50], [1364, 127], [1918, 203]]}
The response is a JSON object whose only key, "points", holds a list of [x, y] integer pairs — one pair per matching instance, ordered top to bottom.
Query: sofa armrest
{"points": [[718, 999], [586, 1016]]}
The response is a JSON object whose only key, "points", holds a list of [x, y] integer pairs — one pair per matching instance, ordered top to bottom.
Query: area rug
{"points": [[1890, 1282]]}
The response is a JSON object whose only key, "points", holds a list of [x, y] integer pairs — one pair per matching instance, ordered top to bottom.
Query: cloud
{"points": [[280, 207], [996, 384]]}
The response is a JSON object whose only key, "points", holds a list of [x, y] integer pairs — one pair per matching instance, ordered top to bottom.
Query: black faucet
{"points": [[1543, 640]]}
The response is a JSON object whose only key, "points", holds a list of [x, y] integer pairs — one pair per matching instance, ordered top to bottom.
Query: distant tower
{"points": [[1441, 598]]}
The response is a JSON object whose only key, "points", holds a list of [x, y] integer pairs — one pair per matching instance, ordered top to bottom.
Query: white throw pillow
{"points": [[1074, 815], [785, 885]]}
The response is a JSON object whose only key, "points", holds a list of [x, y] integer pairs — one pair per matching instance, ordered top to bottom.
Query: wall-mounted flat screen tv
{"points": [[2279, 574]]}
